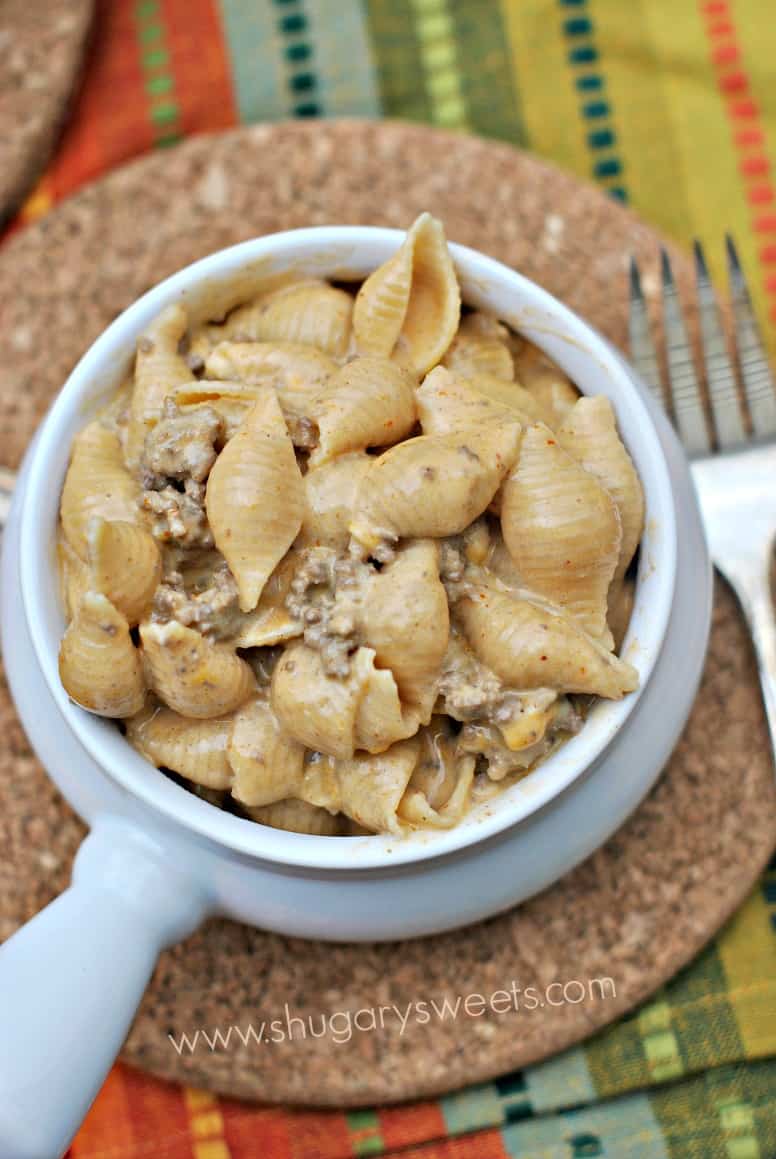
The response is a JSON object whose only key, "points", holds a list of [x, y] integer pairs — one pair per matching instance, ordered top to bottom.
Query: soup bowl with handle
{"points": [[158, 860]]}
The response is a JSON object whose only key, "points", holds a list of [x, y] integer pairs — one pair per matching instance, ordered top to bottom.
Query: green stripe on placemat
{"points": [[398, 60], [486, 70], [442, 79], [158, 80], [688, 1026], [728, 1112], [364, 1131]]}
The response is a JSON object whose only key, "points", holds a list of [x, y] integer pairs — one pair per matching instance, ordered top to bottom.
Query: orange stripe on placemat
{"points": [[200, 64], [109, 122], [747, 130], [110, 1118], [403, 1126]]}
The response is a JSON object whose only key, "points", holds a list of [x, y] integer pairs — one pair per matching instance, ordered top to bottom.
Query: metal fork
{"points": [[732, 449]]}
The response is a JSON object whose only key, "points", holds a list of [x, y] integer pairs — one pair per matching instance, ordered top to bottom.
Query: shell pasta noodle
{"points": [[348, 559]]}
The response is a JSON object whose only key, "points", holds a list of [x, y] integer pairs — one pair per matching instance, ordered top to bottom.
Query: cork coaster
{"points": [[42, 46], [637, 910]]}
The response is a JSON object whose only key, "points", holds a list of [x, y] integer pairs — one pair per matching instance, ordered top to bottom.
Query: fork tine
{"points": [[642, 348], [720, 376], [683, 381], [759, 387]]}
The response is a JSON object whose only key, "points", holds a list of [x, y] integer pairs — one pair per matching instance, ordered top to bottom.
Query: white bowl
{"points": [[349, 252], [159, 859]]}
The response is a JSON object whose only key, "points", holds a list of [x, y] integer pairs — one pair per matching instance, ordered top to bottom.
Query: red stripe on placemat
{"points": [[200, 64], [109, 122], [749, 139], [403, 1126], [286, 1133], [479, 1145]]}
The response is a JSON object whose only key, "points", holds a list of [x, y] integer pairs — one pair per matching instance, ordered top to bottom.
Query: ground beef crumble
{"points": [[182, 445], [178, 455], [179, 516], [326, 595], [214, 610]]}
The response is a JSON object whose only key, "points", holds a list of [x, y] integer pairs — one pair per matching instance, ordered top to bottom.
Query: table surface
{"points": [[669, 108]]}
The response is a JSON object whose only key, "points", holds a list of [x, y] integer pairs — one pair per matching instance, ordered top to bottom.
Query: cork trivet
{"points": [[42, 46], [637, 910]]}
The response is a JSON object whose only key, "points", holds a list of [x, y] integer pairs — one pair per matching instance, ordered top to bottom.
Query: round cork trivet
{"points": [[42, 47], [637, 910]]}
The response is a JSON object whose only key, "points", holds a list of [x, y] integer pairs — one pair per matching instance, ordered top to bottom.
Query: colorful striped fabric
{"points": [[669, 106], [690, 1075]]}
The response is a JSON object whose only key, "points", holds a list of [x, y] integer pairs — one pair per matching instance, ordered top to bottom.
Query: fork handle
{"points": [[753, 588]]}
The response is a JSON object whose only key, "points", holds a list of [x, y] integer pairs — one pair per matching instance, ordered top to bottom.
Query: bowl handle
{"points": [[72, 978]]}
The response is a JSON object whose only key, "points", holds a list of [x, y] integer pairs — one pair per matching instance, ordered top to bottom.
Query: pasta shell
{"points": [[411, 303], [309, 312], [202, 339], [480, 347], [159, 368], [296, 373], [552, 390], [509, 394], [230, 400], [369, 402], [447, 404], [589, 434], [97, 483], [434, 485], [330, 493], [255, 499], [561, 528], [501, 564], [126, 565], [75, 577], [622, 595], [406, 621], [270, 622], [529, 646], [99, 665], [191, 674], [320, 711], [335, 714], [380, 717], [196, 749], [267, 763], [367, 788], [438, 792], [297, 817]]}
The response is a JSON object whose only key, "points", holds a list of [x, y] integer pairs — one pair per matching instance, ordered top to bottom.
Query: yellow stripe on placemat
{"points": [[549, 103], [645, 140], [705, 161], [38, 202], [747, 950], [206, 1124]]}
